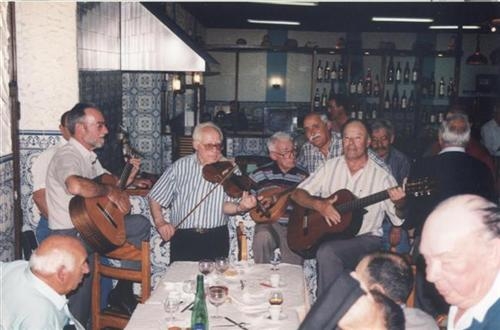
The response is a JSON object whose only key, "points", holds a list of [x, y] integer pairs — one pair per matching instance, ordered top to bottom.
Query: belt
{"points": [[201, 231]]}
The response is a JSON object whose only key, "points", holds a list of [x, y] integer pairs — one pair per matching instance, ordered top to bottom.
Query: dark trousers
{"points": [[195, 245]]}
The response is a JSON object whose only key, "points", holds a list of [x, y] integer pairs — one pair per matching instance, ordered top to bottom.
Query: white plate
{"points": [[283, 316]]}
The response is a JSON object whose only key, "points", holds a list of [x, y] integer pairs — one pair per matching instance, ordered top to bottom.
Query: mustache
{"points": [[312, 137]]}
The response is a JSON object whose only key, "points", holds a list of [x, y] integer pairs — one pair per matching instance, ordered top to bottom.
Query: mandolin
{"points": [[279, 199], [307, 228]]}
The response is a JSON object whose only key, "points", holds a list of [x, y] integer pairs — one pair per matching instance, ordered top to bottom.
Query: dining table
{"points": [[246, 306]]}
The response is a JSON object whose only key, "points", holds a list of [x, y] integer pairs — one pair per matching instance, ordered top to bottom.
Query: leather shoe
{"points": [[123, 304]]}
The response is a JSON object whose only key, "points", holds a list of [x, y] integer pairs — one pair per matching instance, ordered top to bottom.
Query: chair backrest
{"points": [[410, 302], [102, 319]]}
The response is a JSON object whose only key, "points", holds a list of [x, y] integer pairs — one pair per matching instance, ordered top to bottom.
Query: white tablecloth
{"points": [[248, 305]]}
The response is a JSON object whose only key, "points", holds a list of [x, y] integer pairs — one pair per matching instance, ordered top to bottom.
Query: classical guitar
{"points": [[279, 199], [98, 220], [307, 228]]}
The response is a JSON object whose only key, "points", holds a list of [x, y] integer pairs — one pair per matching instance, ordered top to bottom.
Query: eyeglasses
{"points": [[381, 139], [212, 146], [287, 153]]}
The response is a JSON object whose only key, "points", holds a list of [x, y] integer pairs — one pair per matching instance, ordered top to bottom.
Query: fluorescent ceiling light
{"points": [[287, 3], [402, 19], [261, 21], [454, 27]]}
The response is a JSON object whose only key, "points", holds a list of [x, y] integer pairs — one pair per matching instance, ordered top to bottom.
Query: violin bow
{"points": [[227, 175]]}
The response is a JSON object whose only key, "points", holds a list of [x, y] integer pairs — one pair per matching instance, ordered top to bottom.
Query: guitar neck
{"points": [[122, 183], [360, 203]]}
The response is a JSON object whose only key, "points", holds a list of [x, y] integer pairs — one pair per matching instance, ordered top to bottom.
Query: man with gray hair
{"points": [[283, 173], [455, 173], [461, 245], [33, 293]]}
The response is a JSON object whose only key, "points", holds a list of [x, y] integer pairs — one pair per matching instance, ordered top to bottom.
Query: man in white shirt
{"points": [[490, 133], [360, 174], [461, 247], [33, 294]]}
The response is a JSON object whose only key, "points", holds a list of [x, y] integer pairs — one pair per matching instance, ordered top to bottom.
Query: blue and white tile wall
{"points": [[6, 209]]}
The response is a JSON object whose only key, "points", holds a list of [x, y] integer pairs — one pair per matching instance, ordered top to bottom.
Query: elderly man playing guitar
{"points": [[357, 172], [74, 175]]}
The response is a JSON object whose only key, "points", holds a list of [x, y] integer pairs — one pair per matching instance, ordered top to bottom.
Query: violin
{"points": [[234, 185], [277, 201]]}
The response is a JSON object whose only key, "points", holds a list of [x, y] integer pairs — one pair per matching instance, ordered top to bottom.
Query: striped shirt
{"points": [[311, 158], [271, 176], [371, 179], [181, 187]]}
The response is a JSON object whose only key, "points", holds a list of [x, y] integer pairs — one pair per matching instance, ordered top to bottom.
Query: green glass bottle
{"points": [[199, 316]]}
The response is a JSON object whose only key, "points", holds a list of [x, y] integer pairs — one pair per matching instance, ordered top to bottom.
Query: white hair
{"points": [[200, 127], [455, 135], [278, 136], [51, 261]]}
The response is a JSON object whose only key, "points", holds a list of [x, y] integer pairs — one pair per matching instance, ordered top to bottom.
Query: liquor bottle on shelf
{"points": [[390, 71], [319, 72], [341, 72], [398, 72], [333, 73], [406, 73], [414, 73], [326, 75], [368, 82], [432, 86], [352, 87], [359, 87], [376, 87], [451, 88], [441, 91], [331, 93], [324, 99], [395, 99], [316, 100], [387, 101], [404, 101], [411, 102], [374, 111], [353, 113], [360, 113], [199, 316]]}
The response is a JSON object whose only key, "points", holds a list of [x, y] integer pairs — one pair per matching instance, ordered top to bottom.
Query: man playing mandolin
{"points": [[73, 171], [360, 174], [274, 180], [198, 209]]}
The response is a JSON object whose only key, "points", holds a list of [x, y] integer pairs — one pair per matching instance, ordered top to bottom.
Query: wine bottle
{"points": [[390, 71], [319, 72], [341, 72], [398, 72], [333, 73], [406, 73], [414, 73], [326, 75], [368, 82], [352, 87], [359, 87], [376, 87], [432, 87], [451, 87], [441, 90], [324, 99], [395, 99], [316, 100], [387, 101], [404, 101], [411, 102], [199, 316]]}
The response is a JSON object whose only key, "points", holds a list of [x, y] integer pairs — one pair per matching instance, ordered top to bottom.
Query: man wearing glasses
{"points": [[281, 174], [204, 233]]}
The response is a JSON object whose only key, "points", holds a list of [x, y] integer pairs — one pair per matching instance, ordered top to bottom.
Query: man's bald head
{"points": [[461, 246]]}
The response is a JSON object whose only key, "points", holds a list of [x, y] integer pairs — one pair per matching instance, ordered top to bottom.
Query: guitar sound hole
{"points": [[106, 215]]}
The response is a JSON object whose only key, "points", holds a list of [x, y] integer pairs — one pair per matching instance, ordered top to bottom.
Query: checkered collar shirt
{"points": [[311, 158]]}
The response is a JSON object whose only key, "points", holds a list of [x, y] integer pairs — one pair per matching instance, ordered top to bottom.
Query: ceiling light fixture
{"points": [[288, 3], [402, 19], [262, 21], [454, 27], [477, 58]]}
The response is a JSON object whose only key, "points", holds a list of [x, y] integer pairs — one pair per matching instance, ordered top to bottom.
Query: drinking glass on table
{"points": [[275, 261], [221, 265], [206, 266], [217, 295], [276, 297], [171, 305]]}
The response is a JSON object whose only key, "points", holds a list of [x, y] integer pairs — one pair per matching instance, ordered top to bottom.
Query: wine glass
{"points": [[275, 261], [221, 265], [206, 266], [189, 286], [217, 295], [276, 297], [171, 305]]}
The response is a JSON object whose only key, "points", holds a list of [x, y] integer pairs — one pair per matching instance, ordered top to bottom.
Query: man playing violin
{"points": [[72, 171], [283, 174], [360, 174], [196, 231]]}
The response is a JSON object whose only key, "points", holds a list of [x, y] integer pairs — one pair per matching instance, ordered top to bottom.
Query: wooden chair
{"points": [[410, 302], [101, 319]]}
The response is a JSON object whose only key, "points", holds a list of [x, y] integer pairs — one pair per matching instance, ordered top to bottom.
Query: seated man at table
{"points": [[280, 175], [197, 229]]}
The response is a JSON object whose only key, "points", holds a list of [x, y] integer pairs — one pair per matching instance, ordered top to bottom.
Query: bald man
{"points": [[461, 247], [33, 293]]}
